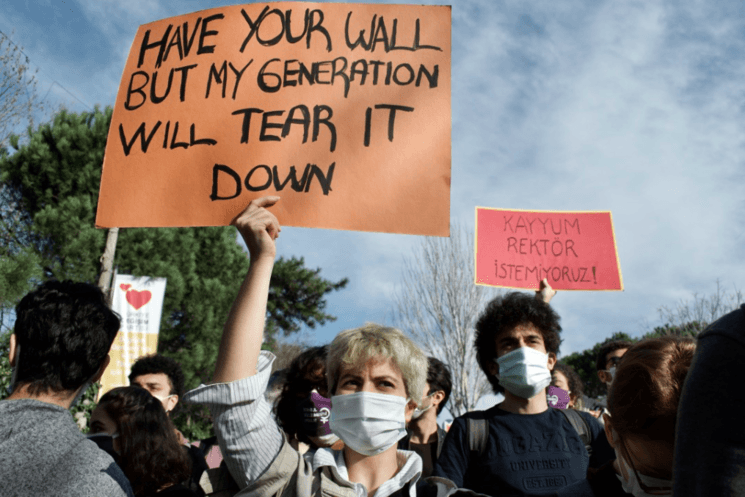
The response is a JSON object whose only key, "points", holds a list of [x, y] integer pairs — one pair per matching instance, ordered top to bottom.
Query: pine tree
{"points": [[51, 186]]}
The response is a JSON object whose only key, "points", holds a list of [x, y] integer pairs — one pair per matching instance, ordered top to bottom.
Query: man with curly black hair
{"points": [[59, 346], [161, 376], [164, 379], [520, 446]]}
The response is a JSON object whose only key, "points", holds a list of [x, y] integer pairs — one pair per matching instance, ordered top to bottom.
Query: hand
{"points": [[259, 228], [545, 292]]}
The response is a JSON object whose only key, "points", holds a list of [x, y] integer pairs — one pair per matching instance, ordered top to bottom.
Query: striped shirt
{"points": [[250, 439]]}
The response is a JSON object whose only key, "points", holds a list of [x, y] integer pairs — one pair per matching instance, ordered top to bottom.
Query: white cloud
{"points": [[634, 107]]}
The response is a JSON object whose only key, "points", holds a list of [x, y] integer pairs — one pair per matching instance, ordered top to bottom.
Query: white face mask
{"points": [[524, 372], [612, 373], [163, 399], [418, 412], [368, 423], [633, 487]]}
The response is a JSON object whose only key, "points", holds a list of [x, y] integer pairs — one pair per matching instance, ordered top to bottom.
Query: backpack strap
{"points": [[580, 426], [478, 435]]}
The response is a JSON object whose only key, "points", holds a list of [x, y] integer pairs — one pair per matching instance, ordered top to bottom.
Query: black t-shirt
{"points": [[428, 453], [526, 454], [198, 466], [603, 482]]}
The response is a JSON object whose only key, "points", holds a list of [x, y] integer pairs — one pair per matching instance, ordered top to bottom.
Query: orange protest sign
{"points": [[343, 110], [573, 250]]}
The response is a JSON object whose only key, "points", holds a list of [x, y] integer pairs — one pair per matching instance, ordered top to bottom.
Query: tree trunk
{"points": [[107, 262]]}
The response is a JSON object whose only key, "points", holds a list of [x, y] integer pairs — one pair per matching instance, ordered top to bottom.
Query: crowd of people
{"points": [[358, 417]]}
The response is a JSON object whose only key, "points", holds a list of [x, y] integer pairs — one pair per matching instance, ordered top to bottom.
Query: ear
{"points": [[12, 352], [551, 361], [103, 367], [493, 368], [601, 376], [437, 397], [171, 404], [410, 406], [609, 430]]}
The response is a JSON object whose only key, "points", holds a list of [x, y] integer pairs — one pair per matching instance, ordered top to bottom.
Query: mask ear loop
{"points": [[649, 490]]}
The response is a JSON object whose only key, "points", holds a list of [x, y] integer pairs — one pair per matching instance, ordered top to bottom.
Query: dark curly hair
{"points": [[505, 313], [64, 330], [607, 348], [156, 364], [306, 373], [439, 378], [575, 382], [150, 454]]}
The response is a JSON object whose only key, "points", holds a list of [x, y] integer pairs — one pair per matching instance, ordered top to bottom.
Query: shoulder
{"points": [[731, 325], [595, 425], [96, 470]]}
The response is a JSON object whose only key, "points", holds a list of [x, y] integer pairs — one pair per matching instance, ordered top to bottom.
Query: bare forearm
{"points": [[243, 332]]}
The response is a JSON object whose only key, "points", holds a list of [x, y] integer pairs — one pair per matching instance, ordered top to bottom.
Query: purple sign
{"points": [[557, 397]]}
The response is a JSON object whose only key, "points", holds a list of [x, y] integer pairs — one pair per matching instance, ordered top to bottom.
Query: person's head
{"points": [[513, 321], [61, 338], [608, 358], [378, 359], [307, 373], [161, 376], [376, 376], [565, 377], [438, 387], [643, 404], [150, 454]]}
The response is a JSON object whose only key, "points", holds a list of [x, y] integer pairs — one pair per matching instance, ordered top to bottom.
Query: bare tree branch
{"points": [[19, 99], [438, 304], [692, 316]]}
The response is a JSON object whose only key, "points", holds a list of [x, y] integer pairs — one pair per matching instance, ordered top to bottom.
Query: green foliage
{"points": [[51, 182], [296, 295], [690, 329], [584, 364], [5, 369]]}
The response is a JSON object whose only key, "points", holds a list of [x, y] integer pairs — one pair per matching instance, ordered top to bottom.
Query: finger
{"points": [[264, 201]]}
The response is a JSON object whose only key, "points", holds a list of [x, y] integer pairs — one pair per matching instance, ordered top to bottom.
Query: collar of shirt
{"points": [[410, 470]]}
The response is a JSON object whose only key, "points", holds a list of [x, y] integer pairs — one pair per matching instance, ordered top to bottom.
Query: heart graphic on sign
{"points": [[125, 286], [138, 299]]}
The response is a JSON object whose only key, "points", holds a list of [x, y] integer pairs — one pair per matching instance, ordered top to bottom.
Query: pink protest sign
{"points": [[573, 250]]}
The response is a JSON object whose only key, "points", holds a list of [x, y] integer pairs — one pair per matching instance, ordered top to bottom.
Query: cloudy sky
{"points": [[635, 107]]}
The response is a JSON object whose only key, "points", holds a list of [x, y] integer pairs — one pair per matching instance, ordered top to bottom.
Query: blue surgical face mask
{"points": [[524, 372]]}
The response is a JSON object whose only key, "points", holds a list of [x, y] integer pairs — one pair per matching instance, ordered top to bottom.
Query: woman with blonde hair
{"points": [[375, 375]]}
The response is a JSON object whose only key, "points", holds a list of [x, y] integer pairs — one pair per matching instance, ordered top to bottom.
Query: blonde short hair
{"points": [[372, 341]]}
